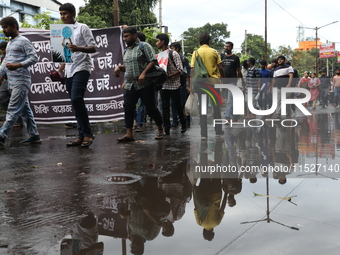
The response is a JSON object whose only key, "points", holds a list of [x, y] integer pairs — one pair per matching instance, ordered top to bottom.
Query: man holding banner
{"points": [[78, 73]]}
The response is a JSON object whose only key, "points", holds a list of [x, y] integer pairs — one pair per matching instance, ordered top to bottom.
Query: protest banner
{"points": [[104, 97]]}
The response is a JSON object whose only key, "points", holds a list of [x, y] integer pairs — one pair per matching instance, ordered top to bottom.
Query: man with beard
{"points": [[20, 54], [137, 63], [232, 71]]}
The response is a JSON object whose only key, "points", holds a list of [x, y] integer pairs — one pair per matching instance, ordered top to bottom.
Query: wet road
{"points": [[46, 189]]}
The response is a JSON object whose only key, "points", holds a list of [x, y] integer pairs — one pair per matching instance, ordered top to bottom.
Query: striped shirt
{"points": [[19, 50], [136, 59], [282, 75], [253, 77], [174, 82]]}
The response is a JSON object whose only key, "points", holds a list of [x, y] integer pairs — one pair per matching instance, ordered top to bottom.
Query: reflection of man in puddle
{"points": [[286, 154], [148, 210], [209, 210], [87, 232]]}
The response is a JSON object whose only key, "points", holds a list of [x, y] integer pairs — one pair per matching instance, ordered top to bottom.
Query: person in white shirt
{"points": [[78, 73]]}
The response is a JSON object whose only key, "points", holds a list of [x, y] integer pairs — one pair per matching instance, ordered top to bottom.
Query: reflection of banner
{"points": [[327, 50], [104, 97], [110, 223]]}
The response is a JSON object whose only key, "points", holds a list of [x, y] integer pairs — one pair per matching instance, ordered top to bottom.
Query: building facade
{"points": [[20, 9]]}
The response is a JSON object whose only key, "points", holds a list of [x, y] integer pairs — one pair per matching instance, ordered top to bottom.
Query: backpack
{"points": [[200, 71], [184, 74], [157, 76]]}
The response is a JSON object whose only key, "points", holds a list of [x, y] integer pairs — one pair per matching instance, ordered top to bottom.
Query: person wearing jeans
{"points": [[20, 55], [78, 73]]}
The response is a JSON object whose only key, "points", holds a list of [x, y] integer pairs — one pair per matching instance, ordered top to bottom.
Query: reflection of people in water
{"points": [[67, 51], [286, 152], [232, 182], [177, 189], [207, 193], [209, 210], [147, 214], [87, 232]]}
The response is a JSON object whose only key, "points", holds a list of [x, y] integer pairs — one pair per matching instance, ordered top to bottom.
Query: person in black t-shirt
{"points": [[232, 71]]}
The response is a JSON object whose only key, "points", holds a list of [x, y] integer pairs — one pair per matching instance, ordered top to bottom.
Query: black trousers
{"points": [[147, 95], [175, 96]]}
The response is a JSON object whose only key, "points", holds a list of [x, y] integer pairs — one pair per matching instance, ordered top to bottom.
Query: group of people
{"points": [[20, 55], [139, 60]]}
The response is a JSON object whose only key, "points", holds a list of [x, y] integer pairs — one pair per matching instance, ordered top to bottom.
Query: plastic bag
{"points": [[191, 105]]}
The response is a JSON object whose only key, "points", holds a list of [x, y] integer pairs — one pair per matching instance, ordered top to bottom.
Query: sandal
{"points": [[138, 129], [160, 136], [125, 139], [88, 140], [76, 142]]}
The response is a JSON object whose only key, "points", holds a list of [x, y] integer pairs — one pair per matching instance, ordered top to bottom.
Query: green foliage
{"points": [[99, 13], [43, 21], [91, 21], [218, 33], [150, 34], [255, 47], [288, 52], [243, 57], [303, 61]]}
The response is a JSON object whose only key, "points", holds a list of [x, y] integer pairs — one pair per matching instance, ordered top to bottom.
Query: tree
{"points": [[99, 13], [43, 21], [218, 33], [255, 47], [288, 52], [303, 61]]}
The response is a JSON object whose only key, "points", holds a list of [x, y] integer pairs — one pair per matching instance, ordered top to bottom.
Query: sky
{"points": [[284, 16]]}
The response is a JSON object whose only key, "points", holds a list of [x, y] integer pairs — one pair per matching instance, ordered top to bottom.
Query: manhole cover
{"points": [[122, 178]]}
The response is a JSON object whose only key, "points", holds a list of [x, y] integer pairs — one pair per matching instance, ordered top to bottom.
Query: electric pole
{"points": [[115, 13], [160, 15], [265, 33], [245, 43]]}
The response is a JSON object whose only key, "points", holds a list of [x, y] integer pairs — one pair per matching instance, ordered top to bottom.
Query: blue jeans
{"points": [[76, 87], [183, 95], [324, 96], [336, 96], [18, 105], [229, 106], [140, 114]]}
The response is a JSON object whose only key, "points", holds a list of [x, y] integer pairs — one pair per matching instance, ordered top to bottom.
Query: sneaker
{"points": [[203, 138], [32, 139]]}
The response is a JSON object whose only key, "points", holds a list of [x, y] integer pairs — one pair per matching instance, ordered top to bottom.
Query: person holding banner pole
{"points": [[78, 73]]}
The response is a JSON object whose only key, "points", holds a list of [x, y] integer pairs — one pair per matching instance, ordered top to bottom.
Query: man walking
{"points": [[20, 54], [138, 61], [213, 65], [232, 71], [78, 73], [283, 77], [253, 80], [265, 80], [336, 85], [171, 87], [325, 87]]}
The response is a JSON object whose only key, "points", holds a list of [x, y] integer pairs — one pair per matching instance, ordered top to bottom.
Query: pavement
{"points": [[47, 187]]}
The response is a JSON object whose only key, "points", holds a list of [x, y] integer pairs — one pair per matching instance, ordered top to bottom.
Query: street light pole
{"points": [[316, 44]]}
